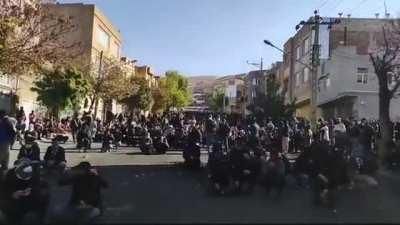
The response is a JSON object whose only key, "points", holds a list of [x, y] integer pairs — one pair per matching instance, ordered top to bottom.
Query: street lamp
{"points": [[267, 42], [281, 50], [311, 67]]}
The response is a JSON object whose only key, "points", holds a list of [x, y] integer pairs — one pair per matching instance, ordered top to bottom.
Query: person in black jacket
{"points": [[30, 150], [55, 157], [24, 194], [86, 202]]}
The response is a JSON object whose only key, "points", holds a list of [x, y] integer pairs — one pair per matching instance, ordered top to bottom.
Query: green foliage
{"points": [[112, 83], [175, 86], [61, 88], [141, 98], [160, 100], [216, 101], [271, 104]]}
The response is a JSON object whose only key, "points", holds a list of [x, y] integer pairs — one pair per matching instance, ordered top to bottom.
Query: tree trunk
{"points": [[92, 102], [55, 112], [384, 119]]}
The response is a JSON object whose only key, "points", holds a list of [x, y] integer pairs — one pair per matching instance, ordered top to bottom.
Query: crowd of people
{"points": [[242, 153], [25, 188]]}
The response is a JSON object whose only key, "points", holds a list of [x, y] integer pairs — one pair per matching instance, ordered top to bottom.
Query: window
{"points": [[104, 38], [306, 46], [118, 49], [298, 52], [323, 68], [306, 72], [298, 75], [362, 75], [359, 78], [365, 78], [390, 78], [5, 80], [254, 81], [231, 82], [327, 83], [238, 94], [253, 94]]}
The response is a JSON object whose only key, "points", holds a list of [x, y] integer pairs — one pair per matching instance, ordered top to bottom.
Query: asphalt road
{"points": [[155, 189]]}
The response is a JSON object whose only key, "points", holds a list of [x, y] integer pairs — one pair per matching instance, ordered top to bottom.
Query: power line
{"points": [[322, 5], [337, 5], [357, 6]]}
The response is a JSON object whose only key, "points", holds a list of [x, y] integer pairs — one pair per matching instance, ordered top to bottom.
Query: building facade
{"points": [[99, 39], [298, 49], [147, 73], [255, 83], [346, 83], [232, 86], [349, 86], [15, 88]]}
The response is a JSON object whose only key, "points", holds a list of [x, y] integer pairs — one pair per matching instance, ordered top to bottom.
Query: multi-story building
{"points": [[99, 39], [146, 72], [295, 73], [346, 82], [256, 83], [348, 85], [232, 86], [15, 88], [7, 90]]}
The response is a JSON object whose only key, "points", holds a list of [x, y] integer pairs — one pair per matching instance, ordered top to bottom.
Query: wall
{"points": [[82, 17], [342, 71]]}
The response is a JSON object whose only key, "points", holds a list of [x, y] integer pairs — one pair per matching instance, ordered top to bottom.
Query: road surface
{"points": [[155, 189]]}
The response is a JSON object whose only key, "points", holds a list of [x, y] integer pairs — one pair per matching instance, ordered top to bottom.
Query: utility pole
{"points": [[315, 59], [99, 76], [223, 103]]}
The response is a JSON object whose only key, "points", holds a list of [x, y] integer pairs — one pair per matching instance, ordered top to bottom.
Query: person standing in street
{"points": [[32, 118], [324, 132], [7, 134]]}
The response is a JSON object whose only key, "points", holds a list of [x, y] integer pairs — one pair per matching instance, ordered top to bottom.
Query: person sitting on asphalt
{"points": [[107, 141], [146, 144], [30, 149], [54, 157], [273, 176], [24, 194], [86, 202]]}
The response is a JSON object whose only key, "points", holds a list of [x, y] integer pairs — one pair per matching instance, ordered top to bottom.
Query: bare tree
{"points": [[31, 36], [386, 63], [110, 82]]}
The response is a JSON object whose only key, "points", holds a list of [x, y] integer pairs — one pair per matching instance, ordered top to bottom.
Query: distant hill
{"points": [[205, 77], [203, 84]]}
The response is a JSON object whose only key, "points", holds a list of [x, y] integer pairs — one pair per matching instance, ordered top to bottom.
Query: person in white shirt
{"points": [[340, 127], [325, 132]]}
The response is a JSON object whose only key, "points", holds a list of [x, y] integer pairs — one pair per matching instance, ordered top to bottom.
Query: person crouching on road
{"points": [[30, 150], [55, 157], [25, 195], [86, 202]]}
